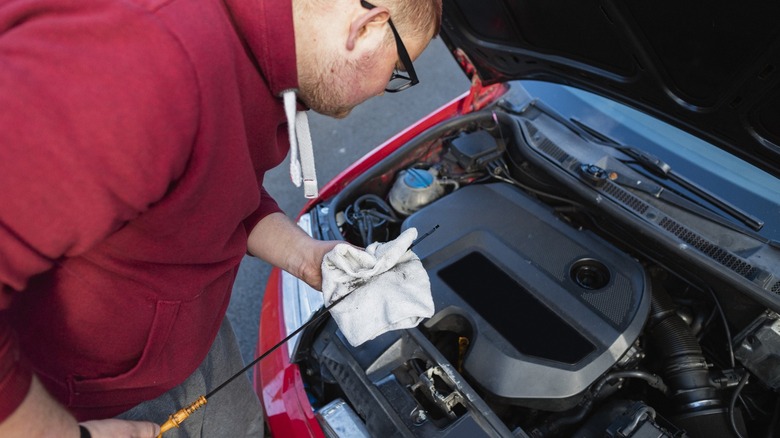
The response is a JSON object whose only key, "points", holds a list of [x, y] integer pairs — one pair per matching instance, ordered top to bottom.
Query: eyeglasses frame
{"points": [[403, 56]]}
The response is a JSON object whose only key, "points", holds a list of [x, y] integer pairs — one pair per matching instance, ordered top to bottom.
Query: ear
{"points": [[362, 23]]}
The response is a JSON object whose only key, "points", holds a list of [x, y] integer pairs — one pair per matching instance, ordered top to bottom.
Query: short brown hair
{"points": [[414, 16]]}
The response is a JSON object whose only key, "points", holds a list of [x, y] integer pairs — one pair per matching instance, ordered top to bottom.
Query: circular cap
{"points": [[418, 178]]}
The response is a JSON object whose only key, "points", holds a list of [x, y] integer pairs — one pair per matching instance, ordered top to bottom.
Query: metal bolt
{"points": [[419, 416]]}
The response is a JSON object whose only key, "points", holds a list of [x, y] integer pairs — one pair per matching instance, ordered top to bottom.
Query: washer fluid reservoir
{"points": [[414, 189]]}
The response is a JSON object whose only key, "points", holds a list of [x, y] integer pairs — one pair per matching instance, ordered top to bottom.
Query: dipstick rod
{"points": [[177, 418]]}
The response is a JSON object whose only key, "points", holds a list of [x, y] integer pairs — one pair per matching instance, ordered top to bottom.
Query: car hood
{"points": [[711, 68]]}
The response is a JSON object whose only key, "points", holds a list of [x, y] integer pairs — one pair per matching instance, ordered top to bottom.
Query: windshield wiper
{"points": [[663, 170]]}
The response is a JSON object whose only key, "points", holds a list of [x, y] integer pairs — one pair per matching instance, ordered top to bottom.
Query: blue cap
{"points": [[418, 178]]}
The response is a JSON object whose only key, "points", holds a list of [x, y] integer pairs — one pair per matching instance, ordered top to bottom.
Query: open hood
{"points": [[710, 68]]}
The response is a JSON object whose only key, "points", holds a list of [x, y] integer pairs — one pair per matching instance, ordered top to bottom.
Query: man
{"points": [[134, 138]]}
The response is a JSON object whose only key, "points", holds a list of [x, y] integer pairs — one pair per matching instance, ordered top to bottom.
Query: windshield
{"points": [[727, 176]]}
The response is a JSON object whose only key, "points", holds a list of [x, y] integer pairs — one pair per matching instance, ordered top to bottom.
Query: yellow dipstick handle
{"points": [[176, 419]]}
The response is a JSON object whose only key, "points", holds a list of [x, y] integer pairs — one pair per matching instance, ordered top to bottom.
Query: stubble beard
{"points": [[333, 88], [325, 91]]}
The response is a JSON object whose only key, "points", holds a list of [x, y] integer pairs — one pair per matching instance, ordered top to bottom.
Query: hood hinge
{"points": [[479, 95]]}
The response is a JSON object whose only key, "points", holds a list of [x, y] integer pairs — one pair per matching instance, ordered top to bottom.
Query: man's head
{"points": [[347, 50]]}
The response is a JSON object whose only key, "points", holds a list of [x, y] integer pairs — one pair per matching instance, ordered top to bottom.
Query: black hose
{"points": [[368, 214], [725, 326], [685, 368], [651, 379], [732, 404], [553, 427]]}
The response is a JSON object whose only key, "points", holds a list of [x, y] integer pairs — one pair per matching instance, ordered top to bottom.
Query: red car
{"points": [[607, 261]]}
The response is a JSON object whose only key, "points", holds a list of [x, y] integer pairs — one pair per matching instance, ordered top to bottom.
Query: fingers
{"points": [[312, 273], [121, 428]]}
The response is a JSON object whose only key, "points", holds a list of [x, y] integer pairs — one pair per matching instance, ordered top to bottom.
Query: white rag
{"points": [[388, 286]]}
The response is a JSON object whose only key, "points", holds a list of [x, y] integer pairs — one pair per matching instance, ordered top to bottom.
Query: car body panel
{"points": [[277, 381]]}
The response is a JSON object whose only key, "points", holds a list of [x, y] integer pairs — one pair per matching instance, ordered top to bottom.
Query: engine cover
{"points": [[551, 308]]}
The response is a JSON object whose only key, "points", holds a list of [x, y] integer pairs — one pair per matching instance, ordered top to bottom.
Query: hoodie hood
{"points": [[260, 22]]}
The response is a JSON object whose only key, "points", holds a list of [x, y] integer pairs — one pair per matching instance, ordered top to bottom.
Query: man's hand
{"points": [[280, 242], [311, 271], [40, 415], [121, 428]]}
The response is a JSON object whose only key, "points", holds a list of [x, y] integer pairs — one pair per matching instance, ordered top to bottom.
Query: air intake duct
{"points": [[685, 369], [698, 408]]}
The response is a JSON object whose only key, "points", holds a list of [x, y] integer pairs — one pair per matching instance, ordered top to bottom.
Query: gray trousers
{"points": [[233, 411]]}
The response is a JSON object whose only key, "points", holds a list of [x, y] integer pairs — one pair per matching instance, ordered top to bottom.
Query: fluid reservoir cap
{"points": [[594, 173], [418, 178]]}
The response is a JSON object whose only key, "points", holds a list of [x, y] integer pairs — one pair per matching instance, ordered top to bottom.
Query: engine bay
{"points": [[549, 308], [557, 313]]}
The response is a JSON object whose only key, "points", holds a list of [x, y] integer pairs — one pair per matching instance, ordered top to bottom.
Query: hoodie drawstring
{"points": [[302, 167]]}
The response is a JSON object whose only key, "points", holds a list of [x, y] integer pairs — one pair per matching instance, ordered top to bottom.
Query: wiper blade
{"points": [[662, 169], [673, 198]]}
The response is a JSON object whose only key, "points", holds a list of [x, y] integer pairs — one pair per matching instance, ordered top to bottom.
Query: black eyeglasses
{"points": [[399, 80]]}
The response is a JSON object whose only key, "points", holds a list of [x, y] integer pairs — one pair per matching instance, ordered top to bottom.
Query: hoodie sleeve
{"points": [[89, 138], [267, 206]]}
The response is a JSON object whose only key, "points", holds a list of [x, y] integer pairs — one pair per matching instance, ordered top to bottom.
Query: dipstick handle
{"points": [[179, 416]]}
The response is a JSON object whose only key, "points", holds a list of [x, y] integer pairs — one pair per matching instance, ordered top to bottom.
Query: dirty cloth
{"points": [[389, 288]]}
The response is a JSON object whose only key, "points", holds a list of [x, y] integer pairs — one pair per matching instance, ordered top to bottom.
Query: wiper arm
{"points": [[660, 168], [664, 170]]}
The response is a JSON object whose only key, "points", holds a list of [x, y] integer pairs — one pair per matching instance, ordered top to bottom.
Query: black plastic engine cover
{"points": [[551, 307]]}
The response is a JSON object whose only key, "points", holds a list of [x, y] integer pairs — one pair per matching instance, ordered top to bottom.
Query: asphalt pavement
{"points": [[337, 144]]}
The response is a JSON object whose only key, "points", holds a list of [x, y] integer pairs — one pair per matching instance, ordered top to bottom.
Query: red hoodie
{"points": [[134, 135]]}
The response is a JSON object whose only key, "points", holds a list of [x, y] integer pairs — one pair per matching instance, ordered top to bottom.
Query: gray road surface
{"points": [[338, 143]]}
